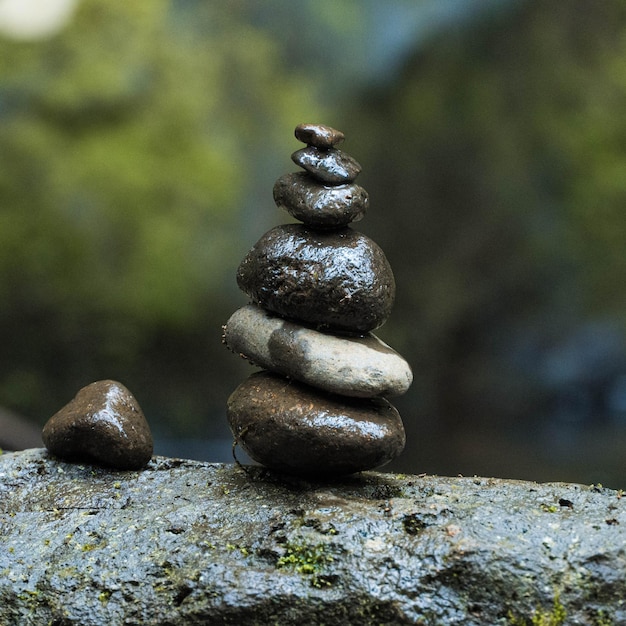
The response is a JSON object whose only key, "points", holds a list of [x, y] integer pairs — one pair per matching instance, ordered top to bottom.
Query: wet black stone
{"points": [[318, 135], [329, 166], [320, 205], [337, 279], [103, 424], [294, 428]]}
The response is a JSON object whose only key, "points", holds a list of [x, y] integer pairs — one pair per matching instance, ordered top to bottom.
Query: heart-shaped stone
{"points": [[103, 424]]}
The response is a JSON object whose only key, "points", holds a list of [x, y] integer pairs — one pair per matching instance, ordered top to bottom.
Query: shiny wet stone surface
{"points": [[318, 135], [329, 166], [317, 204], [333, 280], [318, 289], [352, 366], [103, 424], [294, 428], [185, 542]]}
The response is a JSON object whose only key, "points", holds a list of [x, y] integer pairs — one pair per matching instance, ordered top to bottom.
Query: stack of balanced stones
{"points": [[318, 289]]}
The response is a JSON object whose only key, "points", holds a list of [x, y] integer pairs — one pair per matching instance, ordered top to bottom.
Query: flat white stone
{"points": [[352, 366]]}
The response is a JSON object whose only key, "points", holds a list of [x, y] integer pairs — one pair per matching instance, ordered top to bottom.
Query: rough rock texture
{"points": [[185, 542]]}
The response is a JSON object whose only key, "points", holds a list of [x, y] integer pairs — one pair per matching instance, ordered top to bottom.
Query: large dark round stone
{"points": [[320, 205], [338, 280], [297, 429]]}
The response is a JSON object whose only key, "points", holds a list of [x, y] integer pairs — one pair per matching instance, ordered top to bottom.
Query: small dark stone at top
{"points": [[318, 135]]}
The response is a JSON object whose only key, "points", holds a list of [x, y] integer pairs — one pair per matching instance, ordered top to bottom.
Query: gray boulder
{"points": [[185, 542]]}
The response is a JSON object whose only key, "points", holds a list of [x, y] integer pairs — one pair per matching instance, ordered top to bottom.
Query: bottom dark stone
{"points": [[294, 428]]}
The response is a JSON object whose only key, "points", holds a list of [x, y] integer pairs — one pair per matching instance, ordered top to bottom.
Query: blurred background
{"points": [[139, 144]]}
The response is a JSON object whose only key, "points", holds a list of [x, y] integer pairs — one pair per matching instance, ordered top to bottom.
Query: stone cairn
{"points": [[318, 289]]}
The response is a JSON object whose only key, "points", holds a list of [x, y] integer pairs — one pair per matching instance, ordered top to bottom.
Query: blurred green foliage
{"points": [[127, 143], [138, 149], [494, 163]]}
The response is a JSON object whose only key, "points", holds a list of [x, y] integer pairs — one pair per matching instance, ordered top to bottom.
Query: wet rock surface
{"points": [[318, 135], [329, 166], [320, 205], [336, 279], [352, 366], [103, 424], [295, 428], [184, 542]]}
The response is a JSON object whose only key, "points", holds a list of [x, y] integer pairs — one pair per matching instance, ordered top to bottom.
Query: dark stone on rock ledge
{"points": [[318, 135], [329, 166], [320, 205], [336, 279], [103, 424], [294, 428], [185, 542]]}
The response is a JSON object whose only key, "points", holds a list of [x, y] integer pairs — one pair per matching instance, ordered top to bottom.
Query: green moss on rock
{"points": [[190, 542]]}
